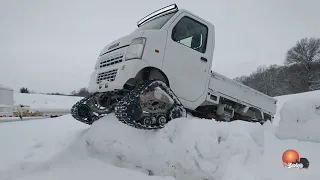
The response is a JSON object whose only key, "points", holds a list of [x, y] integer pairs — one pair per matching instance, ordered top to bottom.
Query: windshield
{"points": [[156, 23]]}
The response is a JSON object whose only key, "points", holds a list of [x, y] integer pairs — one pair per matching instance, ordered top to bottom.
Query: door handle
{"points": [[204, 59]]}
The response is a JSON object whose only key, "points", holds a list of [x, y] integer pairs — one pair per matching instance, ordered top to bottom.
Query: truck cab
{"points": [[171, 43]]}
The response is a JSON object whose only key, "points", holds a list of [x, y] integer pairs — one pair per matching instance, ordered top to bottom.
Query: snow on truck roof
{"points": [[5, 88]]}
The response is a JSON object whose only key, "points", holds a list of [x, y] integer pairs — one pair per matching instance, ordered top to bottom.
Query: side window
{"points": [[191, 33]]}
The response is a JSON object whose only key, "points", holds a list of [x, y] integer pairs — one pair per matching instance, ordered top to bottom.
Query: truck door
{"points": [[187, 60]]}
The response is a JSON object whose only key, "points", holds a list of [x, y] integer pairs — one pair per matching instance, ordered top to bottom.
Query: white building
{"points": [[6, 101]]}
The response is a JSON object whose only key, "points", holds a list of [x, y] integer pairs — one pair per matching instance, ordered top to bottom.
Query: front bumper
{"points": [[114, 77]]}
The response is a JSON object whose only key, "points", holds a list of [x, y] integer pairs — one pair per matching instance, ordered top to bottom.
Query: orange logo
{"points": [[291, 159]]}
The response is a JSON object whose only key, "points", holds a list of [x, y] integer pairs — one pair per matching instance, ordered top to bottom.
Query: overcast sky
{"points": [[52, 46]]}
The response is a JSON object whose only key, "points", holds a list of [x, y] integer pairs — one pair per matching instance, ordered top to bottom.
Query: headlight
{"points": [[135, 49]]}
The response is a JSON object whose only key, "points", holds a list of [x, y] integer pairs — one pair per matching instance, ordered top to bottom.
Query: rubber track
{"points": [[132, 99], [74, 111]]}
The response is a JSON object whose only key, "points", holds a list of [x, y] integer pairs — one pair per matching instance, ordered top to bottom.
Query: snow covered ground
{"points": [[46, 103], [12, 119], [187, 148], [51, 150]]}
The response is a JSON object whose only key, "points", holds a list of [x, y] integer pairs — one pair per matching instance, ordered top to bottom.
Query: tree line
{"points": [[299, 73], [82, 92]]}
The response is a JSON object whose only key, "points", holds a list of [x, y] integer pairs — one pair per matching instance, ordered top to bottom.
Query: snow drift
{"points": [[283, 99], [300, 119], [186, 149], [54, 150]]}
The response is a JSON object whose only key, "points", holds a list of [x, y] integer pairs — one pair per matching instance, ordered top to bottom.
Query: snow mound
{"points": [[283, 99], [42, 102], [300, 119], [187, 148], [54, 150]]}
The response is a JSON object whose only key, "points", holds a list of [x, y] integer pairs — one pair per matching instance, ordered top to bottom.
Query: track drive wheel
{"points": [[150, 105]]}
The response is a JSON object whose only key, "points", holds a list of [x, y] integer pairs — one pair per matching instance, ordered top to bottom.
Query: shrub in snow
{"points": [[300, 119], [187, 148]]}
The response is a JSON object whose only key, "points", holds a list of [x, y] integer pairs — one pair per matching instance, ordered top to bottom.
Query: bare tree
{"points": [[306, 52], [300, 73], [316, 76], [240, 79], [276, 80], [24, 90], [83, 92]]}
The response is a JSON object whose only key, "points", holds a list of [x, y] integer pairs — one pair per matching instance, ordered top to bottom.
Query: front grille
{"points": [[111, 60], [108, 75]]}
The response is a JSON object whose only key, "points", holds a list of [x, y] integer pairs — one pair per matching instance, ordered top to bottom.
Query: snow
{"points": [[283, 99], [46, 103], [300, 118], [12, 119], [187, 148], [54, 149], [272, 165]]}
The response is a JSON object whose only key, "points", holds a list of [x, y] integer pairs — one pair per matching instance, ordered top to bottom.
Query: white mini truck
{"points": [[162, 71]]}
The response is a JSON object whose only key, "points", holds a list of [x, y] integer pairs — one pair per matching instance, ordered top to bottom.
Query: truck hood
{"points": [[121, 42]]}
